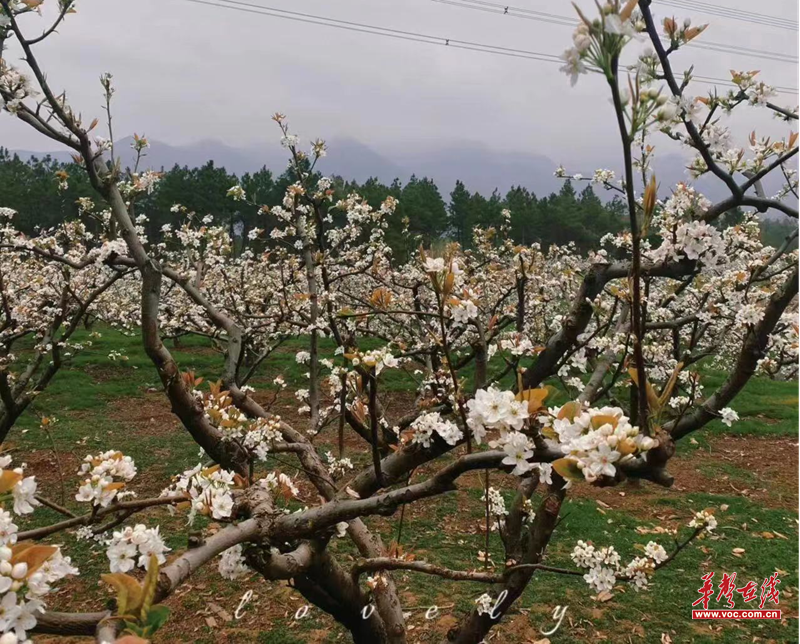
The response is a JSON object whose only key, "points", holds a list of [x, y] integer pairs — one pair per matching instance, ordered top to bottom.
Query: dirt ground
{"points": [[206, 601]]}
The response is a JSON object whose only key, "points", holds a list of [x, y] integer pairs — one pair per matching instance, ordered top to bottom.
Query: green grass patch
{"points": [[88, 395]]}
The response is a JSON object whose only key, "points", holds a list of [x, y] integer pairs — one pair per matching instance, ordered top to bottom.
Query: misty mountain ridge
{"points": [[479, 167]]}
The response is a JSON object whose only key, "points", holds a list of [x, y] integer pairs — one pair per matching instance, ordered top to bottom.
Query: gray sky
{"points": [[186, 72]]}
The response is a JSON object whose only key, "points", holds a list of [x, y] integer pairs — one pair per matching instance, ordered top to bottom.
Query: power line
{"points": [[491, 7], [701, 7], [715, 9], [733, 14], [296, 16], [539, 16], [325, 21]]}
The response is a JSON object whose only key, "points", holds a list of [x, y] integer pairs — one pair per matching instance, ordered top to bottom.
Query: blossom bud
{"points": [[647, 443], [5, 553], [5, 568], [20, 570]]}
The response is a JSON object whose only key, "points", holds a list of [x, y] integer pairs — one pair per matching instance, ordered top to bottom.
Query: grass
{"points": [[102, 404], [765, 407]]}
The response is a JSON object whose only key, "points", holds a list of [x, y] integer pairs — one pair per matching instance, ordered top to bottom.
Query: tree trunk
{"points": [[475, 627]]}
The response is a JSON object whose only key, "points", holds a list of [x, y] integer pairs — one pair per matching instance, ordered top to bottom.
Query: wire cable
{"points": [[699, 5], [733, 14], [296, 16], [566, 21]]}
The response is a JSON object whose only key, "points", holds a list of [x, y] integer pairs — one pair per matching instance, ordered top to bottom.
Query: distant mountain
{"points": [[61, 155], [162, 155], [352, 159], [479, 167], [483, 169]]}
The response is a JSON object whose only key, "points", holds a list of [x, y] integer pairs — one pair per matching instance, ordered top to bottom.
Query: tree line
{"points": [[32, 188]]}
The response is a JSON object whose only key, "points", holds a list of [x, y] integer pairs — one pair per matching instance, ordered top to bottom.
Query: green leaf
{"points": [[568, 469], [157, 616], [133, 628]]}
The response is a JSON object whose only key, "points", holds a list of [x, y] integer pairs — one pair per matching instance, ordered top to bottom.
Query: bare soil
{"points": [[763, 470]]}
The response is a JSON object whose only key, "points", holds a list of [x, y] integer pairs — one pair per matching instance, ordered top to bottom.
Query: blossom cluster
{"points": [[591, 40], [15, 86], [376, 359], [494, 409], [426, 425], [257, 435], [596, 440], [338, 466], [107, 474], [280, 483], [22, 488], [209, 491], [496, 508], [704, 519], [124, 546], [232, 564], [604, 565], [27, 571], [24, 587]]}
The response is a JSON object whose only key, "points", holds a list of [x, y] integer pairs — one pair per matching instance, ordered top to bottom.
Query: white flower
{"points": [[614, 24], [573, 64], [290, 140], [236, 193], [434, 264], [464, 311], [749, 315], [378, 358], [495, 409], [728, 416], [428, 424], [592, 438], [518, 448], [600, 462], [545, 472], [107, 473], [281, 482], [24, 492], [497, 504], [221, 505], [704, 519], [8, 529], [125, 544], [655, 551], [583, 554], [121, 557], [232, 564], [639, 570], [600, 578], [484, 604], [26, 617]]}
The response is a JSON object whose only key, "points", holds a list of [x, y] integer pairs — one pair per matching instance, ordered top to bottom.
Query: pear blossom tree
{"points": [[45, 302], [490, 336]]}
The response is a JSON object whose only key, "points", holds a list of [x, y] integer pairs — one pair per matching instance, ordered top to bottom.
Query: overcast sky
{"points": [[186, 72]]}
